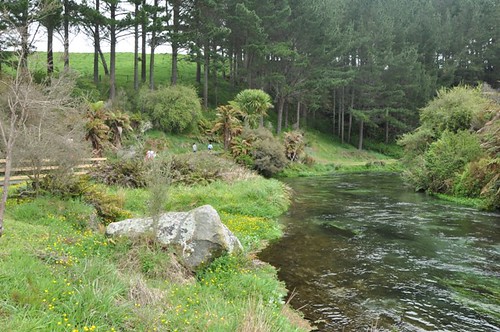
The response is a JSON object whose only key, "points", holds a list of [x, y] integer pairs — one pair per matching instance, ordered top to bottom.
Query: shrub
{"points": [[254, 103], [173, 109], [453, 109], [489, 134], [416, 143], [294, 145], [390, 150], [268, 153], [448, 156], [199, 168], [129, 173], [481, 179], [158, 183], [70, 186], [108, 207]]}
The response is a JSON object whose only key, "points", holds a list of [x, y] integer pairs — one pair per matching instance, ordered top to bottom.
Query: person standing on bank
{"points": [[210, 146], [195, 148]]}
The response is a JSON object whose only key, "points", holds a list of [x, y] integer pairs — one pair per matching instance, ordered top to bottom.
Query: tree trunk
{"points": [[66, 34], [143, 40], [174, 42], [96, 46], [136, 46], [153, 47], [24, 49], [50, 54], [112, 55], [104, 62], [206, 63], [198, 65], [214, 74], [281, 103], [334, 113], [286, 115], [339, 116], [350, 116], [342, 120], [17, 121], [297, 123], [387, 126], [349, 128], [360, 143], [6, 180]]}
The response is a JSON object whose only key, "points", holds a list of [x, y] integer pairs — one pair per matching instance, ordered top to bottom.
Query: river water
{"points": [[362, 253]]}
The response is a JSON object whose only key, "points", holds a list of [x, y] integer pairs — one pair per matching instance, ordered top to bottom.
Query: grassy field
{"points": [[83, 64], [57, 277]]}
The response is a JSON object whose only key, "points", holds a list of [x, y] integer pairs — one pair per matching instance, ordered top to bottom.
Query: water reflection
{"points": [[361, 251]]}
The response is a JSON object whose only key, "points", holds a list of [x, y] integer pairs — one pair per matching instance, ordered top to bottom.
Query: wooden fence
{"points": [[23, 173]]}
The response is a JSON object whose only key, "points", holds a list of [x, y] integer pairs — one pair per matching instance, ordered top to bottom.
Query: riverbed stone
{"points": [[198, 236]]}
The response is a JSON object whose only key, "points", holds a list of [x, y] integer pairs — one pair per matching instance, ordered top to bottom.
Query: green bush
{"points": [[174, 109], [454, 109], [416, 143], [390, 150], [268, 153], [447, 157], [199, 168], [129, 173], [481, 179], [69, 186], [108, 207]]}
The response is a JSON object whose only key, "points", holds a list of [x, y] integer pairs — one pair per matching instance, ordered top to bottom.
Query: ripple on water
{"points": [[361, 255]]}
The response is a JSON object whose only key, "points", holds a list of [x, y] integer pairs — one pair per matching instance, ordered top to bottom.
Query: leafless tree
{"points": [[16, 105], [37, 122]]}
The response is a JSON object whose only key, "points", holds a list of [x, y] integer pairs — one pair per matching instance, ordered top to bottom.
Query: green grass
{"points": [[83, 64], [326, 149], [330, 156], [478, 203], [54, 277]]}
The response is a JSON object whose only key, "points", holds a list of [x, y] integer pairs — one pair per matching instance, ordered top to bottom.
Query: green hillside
{"points": [[83, 64]]}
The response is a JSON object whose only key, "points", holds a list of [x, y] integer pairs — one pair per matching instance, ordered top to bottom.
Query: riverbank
{"points": [[328, 156], [59, 277]]}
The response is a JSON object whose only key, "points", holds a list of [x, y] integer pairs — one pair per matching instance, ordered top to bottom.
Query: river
{"points": [[363, 253]]}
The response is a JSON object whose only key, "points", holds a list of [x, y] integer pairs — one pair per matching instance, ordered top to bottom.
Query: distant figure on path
{"points": [[210, 146], [195, 148]]}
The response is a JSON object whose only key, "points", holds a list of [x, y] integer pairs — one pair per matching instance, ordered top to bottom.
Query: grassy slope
{"points": [[83, 64], [326, 150], [331, 156], [56, 278]]}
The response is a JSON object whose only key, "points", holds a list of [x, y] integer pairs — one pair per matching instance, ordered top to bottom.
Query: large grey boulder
{"points": [[199, 235]]}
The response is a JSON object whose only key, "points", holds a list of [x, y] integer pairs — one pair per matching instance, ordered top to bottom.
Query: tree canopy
{"points": [[325, 57]]}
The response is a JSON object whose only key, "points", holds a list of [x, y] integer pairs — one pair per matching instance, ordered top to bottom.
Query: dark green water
{"points": [[360, 251]]}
